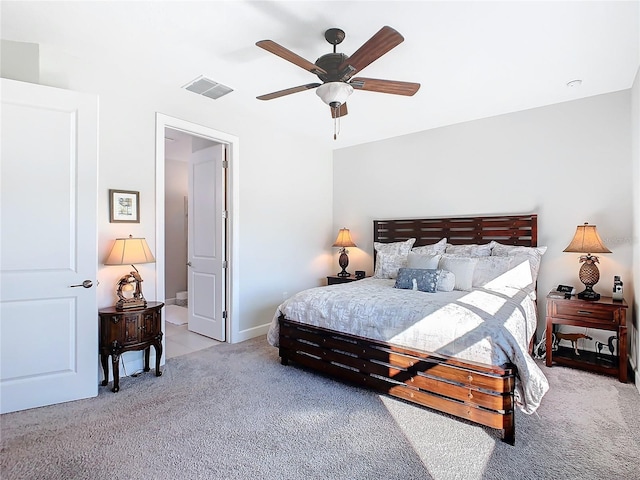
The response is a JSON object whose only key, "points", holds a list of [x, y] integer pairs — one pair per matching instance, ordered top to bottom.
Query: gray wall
{"points": [[569, 162], [635, 176], [175, 226]]}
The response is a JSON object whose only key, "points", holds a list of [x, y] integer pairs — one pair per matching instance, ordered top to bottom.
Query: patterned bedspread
{"points": [[491, 326]]}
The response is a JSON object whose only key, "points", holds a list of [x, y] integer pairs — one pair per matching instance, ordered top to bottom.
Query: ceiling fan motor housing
{"points": [[330, 63]]}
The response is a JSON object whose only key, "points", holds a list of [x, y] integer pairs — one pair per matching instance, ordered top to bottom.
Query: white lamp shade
{"points": [[334, 92], [127, 251]]}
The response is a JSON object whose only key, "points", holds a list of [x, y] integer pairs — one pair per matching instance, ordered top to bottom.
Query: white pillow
{"points": [[397, 248], [433, 249], [473, 250], [519, 255], [415, 260], [388, 264], [462, 268], [489, 268], [446, 281]]}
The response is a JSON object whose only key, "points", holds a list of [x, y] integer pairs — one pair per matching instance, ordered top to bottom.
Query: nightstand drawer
{"points": [[585, 313]]}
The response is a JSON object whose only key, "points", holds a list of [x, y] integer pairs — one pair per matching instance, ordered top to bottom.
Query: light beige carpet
{"points": [[233, 412]]}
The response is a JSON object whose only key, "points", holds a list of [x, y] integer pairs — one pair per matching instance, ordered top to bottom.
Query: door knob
{"points": [[188, 264], [85, 284]]}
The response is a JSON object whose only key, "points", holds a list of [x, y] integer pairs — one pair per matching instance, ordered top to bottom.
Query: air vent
{"points": [[207, 87]]}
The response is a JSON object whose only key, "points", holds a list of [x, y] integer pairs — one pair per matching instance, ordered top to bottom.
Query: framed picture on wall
{"points": [[124, 206]]}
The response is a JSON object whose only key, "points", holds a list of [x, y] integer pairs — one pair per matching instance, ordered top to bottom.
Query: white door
{"points": [[48, 204], [206, 242]]}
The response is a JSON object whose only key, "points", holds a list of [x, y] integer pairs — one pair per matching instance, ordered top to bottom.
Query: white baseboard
{"points": [[250, 333], [634, 367]]}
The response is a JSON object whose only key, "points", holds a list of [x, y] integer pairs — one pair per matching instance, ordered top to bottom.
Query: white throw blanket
{"points": [[491, 326]]}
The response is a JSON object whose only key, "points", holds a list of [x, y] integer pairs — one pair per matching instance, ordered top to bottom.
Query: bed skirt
{"points": [[483, 394]]}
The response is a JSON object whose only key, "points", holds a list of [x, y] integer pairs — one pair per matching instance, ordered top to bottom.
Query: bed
{"points": [[464, 351]]}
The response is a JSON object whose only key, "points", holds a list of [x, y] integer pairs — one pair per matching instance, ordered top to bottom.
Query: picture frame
{"points": [[124, 206]]}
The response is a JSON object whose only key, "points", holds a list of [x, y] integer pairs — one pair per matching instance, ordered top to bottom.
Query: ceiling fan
{"points": [[336, 70]]}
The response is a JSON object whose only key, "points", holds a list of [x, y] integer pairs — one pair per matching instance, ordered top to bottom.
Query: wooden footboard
{"points": [[480, 393]]}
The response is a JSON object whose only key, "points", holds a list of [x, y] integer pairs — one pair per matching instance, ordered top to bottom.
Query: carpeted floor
{"points": [[233, 412]]}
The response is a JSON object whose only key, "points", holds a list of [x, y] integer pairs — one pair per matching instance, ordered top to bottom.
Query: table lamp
{"points": [[586, 240], [343, 241], [127, 251]]}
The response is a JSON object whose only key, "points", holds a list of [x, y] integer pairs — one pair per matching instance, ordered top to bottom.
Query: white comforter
{"points": [[489, 326]]}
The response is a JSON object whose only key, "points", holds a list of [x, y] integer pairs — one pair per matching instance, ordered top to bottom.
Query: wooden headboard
{"points": [[507, 229]]}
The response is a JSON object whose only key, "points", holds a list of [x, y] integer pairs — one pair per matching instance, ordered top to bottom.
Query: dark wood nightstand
{"points": [[335, 279], [603, 314], [125, 330]]}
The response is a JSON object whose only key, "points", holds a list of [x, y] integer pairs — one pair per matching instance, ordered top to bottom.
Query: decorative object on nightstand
{"points": [[586, 240], [343, 241], [127, 251], [617, 289]]}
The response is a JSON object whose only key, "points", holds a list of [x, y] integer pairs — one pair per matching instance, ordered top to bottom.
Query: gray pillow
{"points": [[423, 279]]}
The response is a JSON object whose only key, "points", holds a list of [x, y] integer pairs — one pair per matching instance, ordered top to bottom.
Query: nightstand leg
{"points": [[549, 342], [158, 347], [622, 354], [104, 359], [146, 359], [115, 364]]}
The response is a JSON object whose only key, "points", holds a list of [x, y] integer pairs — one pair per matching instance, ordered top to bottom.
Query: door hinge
{"points": [[225, 164], [225, 213], [224, 264], [224, 314]]}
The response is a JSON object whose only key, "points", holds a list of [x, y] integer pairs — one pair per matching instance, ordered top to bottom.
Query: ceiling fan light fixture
{"points": [[333, 93]]}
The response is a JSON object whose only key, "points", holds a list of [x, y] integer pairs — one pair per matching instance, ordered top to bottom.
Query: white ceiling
{"points": [[474, 59]]}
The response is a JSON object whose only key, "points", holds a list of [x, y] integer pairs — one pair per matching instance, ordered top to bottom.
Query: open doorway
{"points": [[195, 228], [192, 323]]}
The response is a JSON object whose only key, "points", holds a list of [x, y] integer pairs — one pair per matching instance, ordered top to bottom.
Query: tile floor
{"points": [[180, 341]]}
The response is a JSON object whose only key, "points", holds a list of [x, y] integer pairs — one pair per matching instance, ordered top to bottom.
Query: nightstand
{"points": [[335, 279], [602, 314], [126, 330]]}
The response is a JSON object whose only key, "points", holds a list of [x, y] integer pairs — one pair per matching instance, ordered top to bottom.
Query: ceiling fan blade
{"points": [[383, 41], [279, 50], [385, 86], [288, 91], [341, 111]]}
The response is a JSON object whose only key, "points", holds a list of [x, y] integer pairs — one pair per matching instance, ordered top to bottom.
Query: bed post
{"points": [[284, 359], [509, 432]]}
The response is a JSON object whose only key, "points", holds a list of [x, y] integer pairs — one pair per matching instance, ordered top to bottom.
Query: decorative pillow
{"points": [[397, 248], [433, 249], [473, 250], [519, 255], [415, 260], [388, 264], [462, 268], [488, 269], [518, 276], [422, 279], [446, 281]]}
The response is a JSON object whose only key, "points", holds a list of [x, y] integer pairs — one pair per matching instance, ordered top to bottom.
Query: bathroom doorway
{"points": [[194, 228]]}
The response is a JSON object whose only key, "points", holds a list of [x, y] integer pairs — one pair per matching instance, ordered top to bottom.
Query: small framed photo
{"points": [[124, 206]]}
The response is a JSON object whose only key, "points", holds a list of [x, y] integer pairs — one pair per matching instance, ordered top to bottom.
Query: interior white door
{"points": [[48, 203], [206, 281]]}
